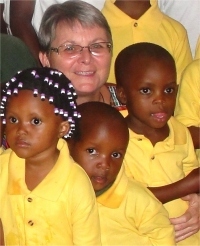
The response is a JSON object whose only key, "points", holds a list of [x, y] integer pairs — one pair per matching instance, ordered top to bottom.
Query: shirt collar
{"points": [[146, 20], [168, 143], [113, 197]]}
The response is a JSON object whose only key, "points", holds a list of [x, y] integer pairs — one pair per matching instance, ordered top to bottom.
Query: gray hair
{"points": [[71, 12]]}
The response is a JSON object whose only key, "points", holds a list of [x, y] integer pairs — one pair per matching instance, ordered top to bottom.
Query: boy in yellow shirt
{"points": [[142, 21], [160, 150], [129, 213]]}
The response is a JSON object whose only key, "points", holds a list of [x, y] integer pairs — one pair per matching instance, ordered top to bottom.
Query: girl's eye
{"points": [[169, 90], [145, 91], [13, 120], [36, 121], [91, 151], [116, 155]]}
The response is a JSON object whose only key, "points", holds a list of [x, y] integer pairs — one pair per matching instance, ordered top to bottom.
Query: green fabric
{"points": [[15, 56]]}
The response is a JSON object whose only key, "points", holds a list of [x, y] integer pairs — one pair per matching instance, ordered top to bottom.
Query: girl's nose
{"points": [[22, 130]]}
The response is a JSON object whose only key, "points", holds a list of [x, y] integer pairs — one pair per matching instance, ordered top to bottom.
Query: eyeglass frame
{"points": [[56, 50]]}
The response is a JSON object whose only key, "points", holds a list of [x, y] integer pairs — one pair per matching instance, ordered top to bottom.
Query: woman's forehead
{"points": [[77, 30]]}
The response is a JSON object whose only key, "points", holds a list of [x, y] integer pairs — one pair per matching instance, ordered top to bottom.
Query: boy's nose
{"points": [[159, 99], [104, 163]]}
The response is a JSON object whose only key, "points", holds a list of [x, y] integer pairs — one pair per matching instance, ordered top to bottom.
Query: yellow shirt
{"points": [[154, 27], [197, 51], [187, 109], [2, 150], [165, 163], [61, 210], [131, 215]]}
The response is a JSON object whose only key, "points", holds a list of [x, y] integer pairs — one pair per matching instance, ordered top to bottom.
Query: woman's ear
{"points": [[44, 59], [121, 94], [63, 129]]}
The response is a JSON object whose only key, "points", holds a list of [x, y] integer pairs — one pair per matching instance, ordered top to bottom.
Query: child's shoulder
{"points": [[174, 24], [177, 125], [181, 132], [5, 153], [4, 159], [74, 171], [139, 189], [137, 193]]}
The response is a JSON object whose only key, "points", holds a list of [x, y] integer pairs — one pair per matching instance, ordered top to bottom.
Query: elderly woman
{"points": [[76, 39]]}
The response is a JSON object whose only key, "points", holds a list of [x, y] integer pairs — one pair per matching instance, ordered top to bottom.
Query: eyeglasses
{"points": [[73, 50]]}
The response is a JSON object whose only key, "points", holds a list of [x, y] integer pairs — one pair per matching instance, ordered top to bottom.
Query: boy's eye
{"points": [[169, 90], [145, 91], [13, 120], [36, 121], [91, 151], [116, 155]]}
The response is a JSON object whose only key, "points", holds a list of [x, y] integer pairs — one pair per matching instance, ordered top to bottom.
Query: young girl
{"points": [[43, 201]]}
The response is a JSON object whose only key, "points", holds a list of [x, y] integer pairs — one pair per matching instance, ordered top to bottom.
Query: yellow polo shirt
{"points": [[154, 27], [197, 51], [187, 109], [2, 150], [165, 163], [61, 210], [131, 215]]}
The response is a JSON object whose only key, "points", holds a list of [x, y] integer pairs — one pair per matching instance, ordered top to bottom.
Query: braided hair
{"points": [[48, 84]]}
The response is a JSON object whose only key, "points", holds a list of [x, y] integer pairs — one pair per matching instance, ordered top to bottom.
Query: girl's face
{"points": [[87, 72], [32, 128], [101, 152]]}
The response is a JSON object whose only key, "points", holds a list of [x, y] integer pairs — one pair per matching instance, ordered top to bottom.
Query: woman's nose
{"points": [[85, 56]]}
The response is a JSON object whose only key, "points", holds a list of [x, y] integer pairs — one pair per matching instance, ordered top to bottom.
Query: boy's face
{"points": [[150, 93], [32, 128], [100, 152]]}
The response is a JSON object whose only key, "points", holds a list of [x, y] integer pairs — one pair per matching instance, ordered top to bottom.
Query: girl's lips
{"points": [[22, 144]]}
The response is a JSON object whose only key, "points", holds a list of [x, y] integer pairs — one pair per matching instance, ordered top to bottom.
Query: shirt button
{"points": [[135, 24], [139, 139], [153, 157], [29, 199], [30, 222]]}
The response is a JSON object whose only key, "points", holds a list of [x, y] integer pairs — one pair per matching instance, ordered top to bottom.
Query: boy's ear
{"points": [[44, 59], [121, 94], [63, 129]]}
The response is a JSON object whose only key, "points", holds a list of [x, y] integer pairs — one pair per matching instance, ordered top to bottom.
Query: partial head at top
{"points": [[72, 13], [137, 58], [47, 84], [95, 115], [100, 143]]}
